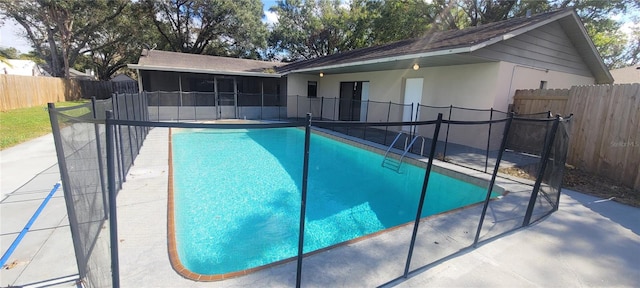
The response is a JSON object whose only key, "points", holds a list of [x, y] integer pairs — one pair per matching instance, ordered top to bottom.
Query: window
{"points": [[543, 84], [312, 89]]}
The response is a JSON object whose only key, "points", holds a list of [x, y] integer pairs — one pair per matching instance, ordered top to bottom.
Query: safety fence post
{"points": [[446, 137], [503, 144], [486, 159], [544, 159], [67, 191], [423, 194], [303, 202], [113, 218]]}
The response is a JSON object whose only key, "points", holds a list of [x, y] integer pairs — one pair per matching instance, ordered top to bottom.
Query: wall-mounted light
{"points": [[416, 66], [321, 74]]}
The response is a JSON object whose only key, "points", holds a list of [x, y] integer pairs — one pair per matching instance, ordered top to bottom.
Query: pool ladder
{"points": [[390, 162]]}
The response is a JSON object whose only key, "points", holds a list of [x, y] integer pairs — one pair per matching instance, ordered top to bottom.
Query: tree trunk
{"points": [[53, 51]]}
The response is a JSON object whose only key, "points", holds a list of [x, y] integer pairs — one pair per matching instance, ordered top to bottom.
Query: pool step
{"points": [[394, 164]]}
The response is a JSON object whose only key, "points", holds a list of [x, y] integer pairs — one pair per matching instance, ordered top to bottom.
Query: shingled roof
{"points": [[460, 42], [437, 48], [194, 63]]}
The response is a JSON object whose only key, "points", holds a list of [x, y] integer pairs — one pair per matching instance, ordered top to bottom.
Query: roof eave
{"points": [[464, 49], [594, 51], [384, 60], [203, 71]]}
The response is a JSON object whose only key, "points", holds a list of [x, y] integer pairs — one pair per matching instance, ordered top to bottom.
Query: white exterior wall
{"points": [[20, 67], [627, 75], [514, 77], [297, 86], [384, 86], [469, 86], [472, 86], [478, 86]]}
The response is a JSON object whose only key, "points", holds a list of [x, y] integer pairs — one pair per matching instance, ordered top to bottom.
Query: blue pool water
{"points": [[237, 196]]}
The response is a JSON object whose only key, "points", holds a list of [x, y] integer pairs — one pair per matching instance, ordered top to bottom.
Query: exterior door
{"points": [[226, 91], [412, 95], [350, 101], [364, 104]]}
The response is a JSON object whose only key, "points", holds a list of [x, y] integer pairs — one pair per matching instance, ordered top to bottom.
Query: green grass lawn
{"points": [[24, 124]]}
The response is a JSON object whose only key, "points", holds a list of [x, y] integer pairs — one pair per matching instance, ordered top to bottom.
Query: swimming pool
{"points": [[237, 196]]}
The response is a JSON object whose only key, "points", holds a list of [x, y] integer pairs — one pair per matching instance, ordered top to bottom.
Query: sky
{"points": [[9, 36]]}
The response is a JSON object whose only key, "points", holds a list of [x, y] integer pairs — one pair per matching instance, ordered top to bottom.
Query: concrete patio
{"points": [[589, 242]]}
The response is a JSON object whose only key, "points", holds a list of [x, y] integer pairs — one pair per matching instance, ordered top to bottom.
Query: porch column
{"points": [[180, 87], [140, 88], [235, 97]]}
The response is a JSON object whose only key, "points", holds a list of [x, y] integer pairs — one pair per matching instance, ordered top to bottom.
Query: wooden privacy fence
{"points": [[28, 91], [605, 133]]}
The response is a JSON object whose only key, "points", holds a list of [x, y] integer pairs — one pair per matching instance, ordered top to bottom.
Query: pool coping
{"points": [[183, 271]]}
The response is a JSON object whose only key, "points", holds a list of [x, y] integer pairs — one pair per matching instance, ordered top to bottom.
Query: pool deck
{"points": [[588, 242]]}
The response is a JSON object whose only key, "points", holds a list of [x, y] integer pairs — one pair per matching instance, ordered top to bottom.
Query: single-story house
{"points": [[21, 67], [476, 67], [87, 75], [626, 75], [122, 78], [182, 79], [122, 83]]}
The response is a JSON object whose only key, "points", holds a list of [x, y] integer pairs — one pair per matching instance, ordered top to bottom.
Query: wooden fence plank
{"points": [[28, 91], [605, 135], [631, 155]]}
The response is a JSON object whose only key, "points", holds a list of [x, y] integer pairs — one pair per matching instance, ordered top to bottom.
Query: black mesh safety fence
{"points": [[75, 133], [526, 134], [79, 135], [385, 135], [473, 139], [472, 146], [557, 159], [547, 173], [541, 174], [374, 202], [507, 207], [420, 228]]}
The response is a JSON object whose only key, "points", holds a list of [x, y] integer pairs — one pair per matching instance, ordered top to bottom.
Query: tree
{"points": [[595, 14], [398, 20], [214, 27], [309, 29], [60, 30], [118, 42], [612, 44], [633, 48], [10, 53], [13, 53], [31, 55], [4, 56]]}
